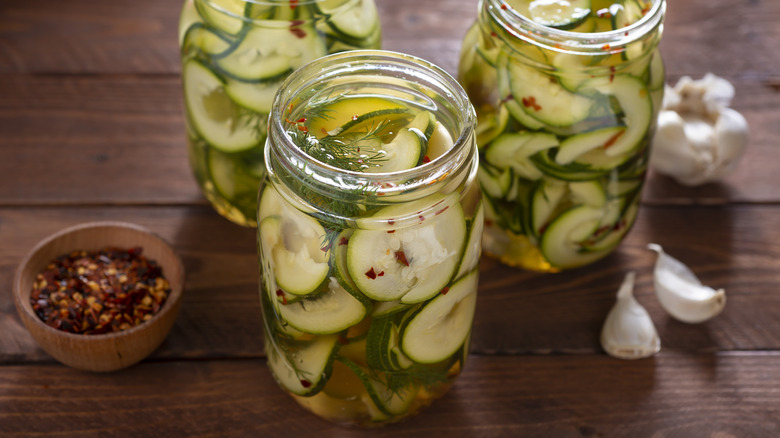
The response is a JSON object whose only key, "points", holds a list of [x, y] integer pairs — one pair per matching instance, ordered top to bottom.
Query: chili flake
{"points": [[94, 292]]}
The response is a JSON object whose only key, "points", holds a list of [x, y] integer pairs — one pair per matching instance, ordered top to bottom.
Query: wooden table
{"points": [[91, 127]]}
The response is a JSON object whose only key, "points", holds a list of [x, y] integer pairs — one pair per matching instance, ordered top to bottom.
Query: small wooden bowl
{"points": [[110, 351]]}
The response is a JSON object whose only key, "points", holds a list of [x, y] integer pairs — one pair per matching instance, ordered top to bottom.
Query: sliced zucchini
{"points": [[559, 14], [626, 14], [224, 15], [355, 21], [203, 38], [271, 52], [257, 96], [543, 98], [507, 99], [634, 100], [344, 115], [215, 117], [492, 127], [574, 146], [408, 148], [513, 151], [235, 175], [494, 182], [545, 199], [293, 241], [561, 242], [473, 248], [414, 252], [384, 308], [329, 312], [441, 327], [383, 350], [303, 368], [381, 402]]}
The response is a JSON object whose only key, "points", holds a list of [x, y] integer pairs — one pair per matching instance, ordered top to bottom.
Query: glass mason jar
{"points": [[235, 54], [566, 112], [370, 222]]}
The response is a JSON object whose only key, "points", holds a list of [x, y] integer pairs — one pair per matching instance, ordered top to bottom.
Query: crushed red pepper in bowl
{"points": [[96, 292]]}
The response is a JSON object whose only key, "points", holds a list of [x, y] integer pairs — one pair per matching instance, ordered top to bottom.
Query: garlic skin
{"points": [[698, 138], [681, 293], [628, 331]]}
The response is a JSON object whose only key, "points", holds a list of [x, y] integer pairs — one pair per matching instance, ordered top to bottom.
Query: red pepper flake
{"points": [[293, 4], [504, 6], [603, 13], [297, 31], [493, 34], [626, 34], [605, 47], [611, 73], [530, 102], [355, 117], [301, 120], [303, 129], [613, 139], [426, 159], [442, 210], [421, 217], [391, 222], [488, 222], [391, 232], [343, 241], [401, 257], [371, 273], [381, 274], [445, 290], [94, 292], [280, 293], [342, 340], [305, 383]]}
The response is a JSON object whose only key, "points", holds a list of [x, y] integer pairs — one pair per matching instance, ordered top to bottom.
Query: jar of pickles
{"points": [[235, 53], [566, 94], [369, 228]]}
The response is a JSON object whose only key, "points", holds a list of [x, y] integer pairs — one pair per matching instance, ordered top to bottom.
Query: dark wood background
{"points": [[91, 127]]}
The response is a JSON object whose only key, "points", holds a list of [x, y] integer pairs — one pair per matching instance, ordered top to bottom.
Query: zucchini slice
{"points": [[559, 14], [225, 15], [356, 21], [272, 52], [634, 100], [215, 117], [576, 145], [513, 151], [293, 242], [561, 242], [473, 249], [412, 251], [329, 312], [442, 326], [303, 368]]}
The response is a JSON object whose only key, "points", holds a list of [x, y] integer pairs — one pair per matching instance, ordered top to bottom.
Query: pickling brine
{"points": [[235, 54], [566, 94], [370, 223]]}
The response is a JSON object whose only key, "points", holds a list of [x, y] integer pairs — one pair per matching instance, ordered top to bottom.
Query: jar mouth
{"points": [[559, 40], [371, 64]]}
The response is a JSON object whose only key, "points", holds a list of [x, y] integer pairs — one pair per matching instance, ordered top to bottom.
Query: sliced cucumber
{"points": [[559, 14], [271, 52], [543, 98], [507, 99], [634, 100], [213, 114], [344, 115], [492, 127], [574, 146], [408, 147], [514, 150], [545, 162], [235, 176], [494, 182], [590, 193], [292, 240], [473, 249], [414, 253], [329, 312], [441, 327], [303, 368]]}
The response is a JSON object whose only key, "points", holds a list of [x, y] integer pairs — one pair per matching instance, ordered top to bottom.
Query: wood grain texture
{"points": [[518, 312], [671, 395]]}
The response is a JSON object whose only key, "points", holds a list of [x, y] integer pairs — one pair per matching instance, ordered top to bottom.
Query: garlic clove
{"points": [[681, 293], [628, 331]]}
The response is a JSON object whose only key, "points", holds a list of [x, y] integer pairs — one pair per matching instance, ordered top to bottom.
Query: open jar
{"points": [[235, 54], [566, 95], [370, 222]]}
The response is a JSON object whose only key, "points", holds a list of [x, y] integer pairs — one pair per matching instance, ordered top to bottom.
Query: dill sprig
{"points": [[355, 151]]}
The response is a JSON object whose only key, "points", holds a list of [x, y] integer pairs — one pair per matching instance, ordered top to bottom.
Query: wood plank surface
{"points": [[734, 248], [673, 395]]}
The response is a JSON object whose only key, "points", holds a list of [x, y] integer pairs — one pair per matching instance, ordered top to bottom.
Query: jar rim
{"points": [[530, 31], [380, 63]]}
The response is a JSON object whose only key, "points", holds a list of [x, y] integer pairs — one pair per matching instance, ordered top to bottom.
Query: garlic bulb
{"points": [[699, 139], [681, 294], [628, 332]]}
